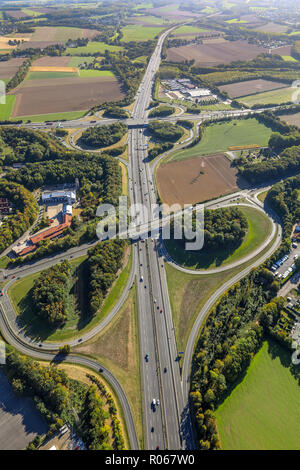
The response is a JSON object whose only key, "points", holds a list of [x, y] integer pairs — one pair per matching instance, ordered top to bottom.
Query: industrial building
{"points": [[68, 197]]}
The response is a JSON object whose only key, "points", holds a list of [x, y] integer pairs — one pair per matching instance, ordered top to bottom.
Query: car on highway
{"points": [[142, 278], [147, 357]]}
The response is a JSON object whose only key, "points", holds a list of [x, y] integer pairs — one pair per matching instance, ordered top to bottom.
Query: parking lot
{"points": [[287, 264], [19, 419]]}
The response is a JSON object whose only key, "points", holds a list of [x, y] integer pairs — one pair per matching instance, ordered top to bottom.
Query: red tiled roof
{"points": [[49, 233]]}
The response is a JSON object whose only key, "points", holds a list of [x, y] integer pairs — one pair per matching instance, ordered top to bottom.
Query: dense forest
{"points": [[161, 111], [165, 131], [103, 136], [22, 145], [99, 178], [284, 199], [24, 212], [50, 293]]}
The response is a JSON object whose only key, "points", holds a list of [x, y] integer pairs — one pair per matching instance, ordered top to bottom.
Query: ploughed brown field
{"points": [[17, 14], [215, 53], [10, 67], [251, 87], [64, 94], [293, 119], [183, 183]]}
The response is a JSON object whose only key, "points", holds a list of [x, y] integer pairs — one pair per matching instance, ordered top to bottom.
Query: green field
{"points": [[188, 30], [133, 32], [63, 33], [92, 47], [289, 58], [76, 61], [95, 73], [45, 75], [283, 95], [6, 109], [69, 115], [219, 137], [259, 228], [77, 324], [263, 410]]}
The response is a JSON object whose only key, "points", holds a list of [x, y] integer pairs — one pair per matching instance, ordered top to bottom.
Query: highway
{"points": [[160, 372]]}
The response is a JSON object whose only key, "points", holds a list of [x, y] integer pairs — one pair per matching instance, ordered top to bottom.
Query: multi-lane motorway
{"points": [[159, 368], [167, 423]]}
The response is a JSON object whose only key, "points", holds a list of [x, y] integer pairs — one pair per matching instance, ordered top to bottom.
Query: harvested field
{"points": [[172, 12], [16, 14], [272, 28], [48, 35], [4, 41], [284, 50], [216, 53], [47, 61], [9, 68], [53, 69], [250, 87], [64, 94], [293, 119], [195, 180]]}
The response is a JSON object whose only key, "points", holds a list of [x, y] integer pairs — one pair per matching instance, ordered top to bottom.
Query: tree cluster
{"points": [[103, 136], [50, 294]]}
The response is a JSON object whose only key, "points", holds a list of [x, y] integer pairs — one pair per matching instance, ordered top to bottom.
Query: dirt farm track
{"points": [[196, 179]]}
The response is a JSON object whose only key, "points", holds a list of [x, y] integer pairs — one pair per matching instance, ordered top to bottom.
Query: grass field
{"points": [[133, 32], [91, 48], [289, 58], [76, 61], [95, 73], [50, 74], [283, 95], [6, 109], [69, 115], [218, 137], [259, 227], [189, 292], [77, 324], [117, 347], [263, 410]]}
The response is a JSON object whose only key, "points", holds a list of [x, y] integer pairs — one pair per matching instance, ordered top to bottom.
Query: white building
{"points": [[199, 92], [59, 196]]}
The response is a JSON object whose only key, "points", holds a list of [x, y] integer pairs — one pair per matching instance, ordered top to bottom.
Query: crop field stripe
{"points": [[53, 69]]}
